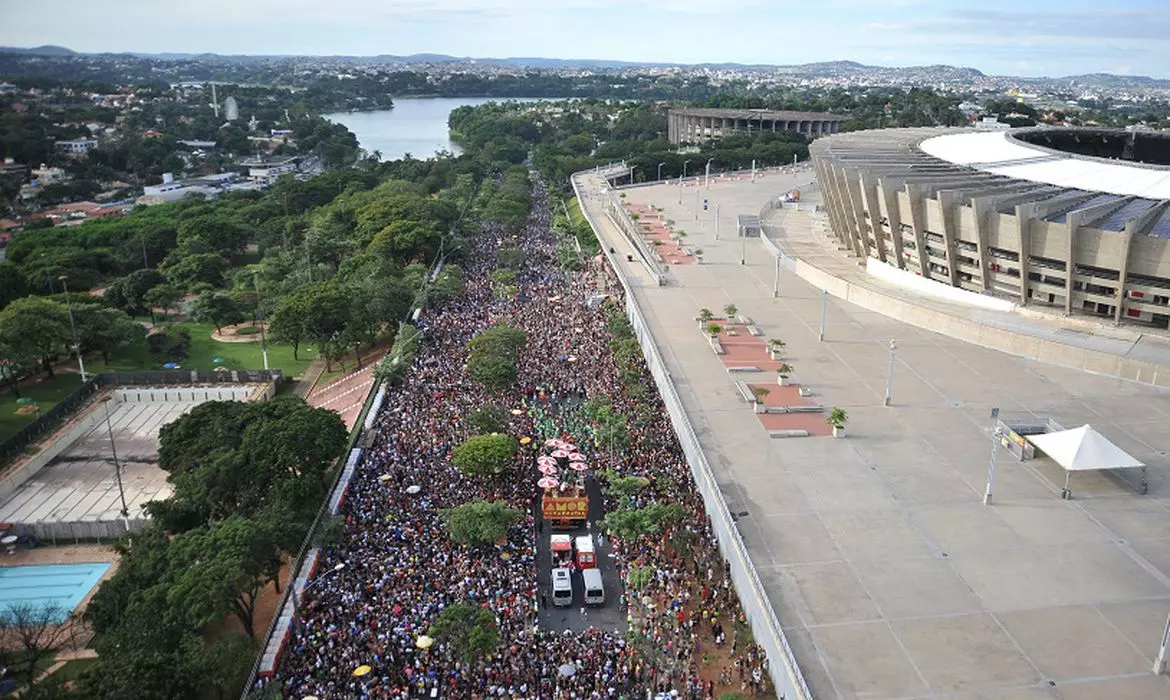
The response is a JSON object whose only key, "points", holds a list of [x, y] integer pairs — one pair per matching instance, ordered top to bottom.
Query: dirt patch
{"points": [[239, 333]]}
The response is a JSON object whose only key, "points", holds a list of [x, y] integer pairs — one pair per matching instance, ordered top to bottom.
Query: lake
{"points": [[417, 126]]}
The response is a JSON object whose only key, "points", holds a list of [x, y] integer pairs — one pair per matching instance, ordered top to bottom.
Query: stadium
{"points": [[1072, 221]]}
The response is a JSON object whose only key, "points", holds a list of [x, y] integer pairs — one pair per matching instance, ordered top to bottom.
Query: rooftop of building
{"points": [[757, 114]]}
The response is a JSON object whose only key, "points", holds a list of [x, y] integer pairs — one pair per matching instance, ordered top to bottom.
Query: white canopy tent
{"points": [[1082, 449]]}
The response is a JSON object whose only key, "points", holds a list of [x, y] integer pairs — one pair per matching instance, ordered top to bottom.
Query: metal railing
{"points": [[782, 666]]}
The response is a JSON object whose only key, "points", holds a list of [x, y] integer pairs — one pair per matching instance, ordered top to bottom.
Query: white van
{"points": [[562, 588], [594, 588]]}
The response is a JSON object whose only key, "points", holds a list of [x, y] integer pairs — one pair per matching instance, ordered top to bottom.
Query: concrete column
{"points": [[852, 189], [888, 195], [948, 200], [870, 202], [979, 212], [1024, 215], [917, 219], [1072, 227], [1123, 270]]}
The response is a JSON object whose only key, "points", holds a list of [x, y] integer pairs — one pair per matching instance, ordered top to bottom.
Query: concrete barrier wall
{"points": [[921, 285], [181, 394], [73, 431], [63, 533], [782, 667]]}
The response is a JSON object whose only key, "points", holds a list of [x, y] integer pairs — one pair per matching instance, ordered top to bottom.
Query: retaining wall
{"points": [[785, 674]]}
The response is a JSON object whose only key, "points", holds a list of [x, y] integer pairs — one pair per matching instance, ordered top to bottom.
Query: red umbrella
{"points": [[552, 442], [560, 454], [577, 457], [545, 460], [579, 466], [547, 469], [548, 482]]}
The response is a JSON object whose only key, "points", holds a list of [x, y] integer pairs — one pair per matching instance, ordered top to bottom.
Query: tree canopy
{"points": [[480, 455]]}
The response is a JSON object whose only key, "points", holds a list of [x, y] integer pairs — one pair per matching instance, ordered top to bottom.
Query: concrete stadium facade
{"points": [[697, 125], [993, 214]]}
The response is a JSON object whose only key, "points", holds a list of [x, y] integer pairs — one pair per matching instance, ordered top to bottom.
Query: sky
{"points": [[1001, 37]]}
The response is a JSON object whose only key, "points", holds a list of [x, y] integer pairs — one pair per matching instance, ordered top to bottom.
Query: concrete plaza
{"points": [[890, 577]]}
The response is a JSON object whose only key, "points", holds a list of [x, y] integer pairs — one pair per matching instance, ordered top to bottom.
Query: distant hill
{"points": [[39, 51], [823, 69], [1108, 80]]}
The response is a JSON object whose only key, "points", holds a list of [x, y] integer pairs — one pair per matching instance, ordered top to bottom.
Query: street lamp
{"points": [[685, 168], [660, 170], [707, 182], [73, 328], [263, 340], [114, 452], [314, 582]]}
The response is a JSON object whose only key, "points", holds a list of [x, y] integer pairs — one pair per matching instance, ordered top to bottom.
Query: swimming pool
{"points": [[60, 585]]}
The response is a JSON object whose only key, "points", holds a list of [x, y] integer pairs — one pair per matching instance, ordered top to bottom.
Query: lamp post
{"points": [[660, 170], [707, 174], [684, 175], [716, 222], [742, 247], [776, 281], [824, 310], [73, 329], [263, 340], [890, 372], [114, 452], [994, 456], [296, 596]]}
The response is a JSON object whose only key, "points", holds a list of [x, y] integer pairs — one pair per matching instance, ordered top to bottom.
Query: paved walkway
{"points": [[890, 577]]}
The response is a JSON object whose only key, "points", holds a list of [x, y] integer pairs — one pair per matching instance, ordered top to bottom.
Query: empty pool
{"points": [[60, 585]]}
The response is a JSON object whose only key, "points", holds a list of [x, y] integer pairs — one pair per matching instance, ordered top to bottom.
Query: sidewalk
{"points": [[890, 577]]}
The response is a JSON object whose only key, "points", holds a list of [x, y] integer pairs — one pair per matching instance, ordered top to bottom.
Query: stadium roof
{"points": [[757, 114], [995, 152], [1006, 173]]}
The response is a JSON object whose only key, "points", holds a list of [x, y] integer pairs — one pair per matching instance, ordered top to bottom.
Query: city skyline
{"points": [[1069, 37]]}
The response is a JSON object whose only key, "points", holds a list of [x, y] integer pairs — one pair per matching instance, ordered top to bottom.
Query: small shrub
{"points": [[170, 343]]}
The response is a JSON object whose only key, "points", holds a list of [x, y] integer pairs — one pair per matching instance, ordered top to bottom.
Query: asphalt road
{"points": [[611, 615]]}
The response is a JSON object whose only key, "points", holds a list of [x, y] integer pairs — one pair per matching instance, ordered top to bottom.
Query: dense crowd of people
{"points": [[401, 569]]}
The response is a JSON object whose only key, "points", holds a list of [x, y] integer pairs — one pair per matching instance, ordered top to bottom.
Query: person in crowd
{"points": [[402, 570]]}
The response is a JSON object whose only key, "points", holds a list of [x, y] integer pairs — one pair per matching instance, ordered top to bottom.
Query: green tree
{"points": [[189, 270], [13, 284], [129, 293], [164, 296], [217, 308], [34, 327], [104, 330], [487, 419], [484, 454], [227, 457], [478, 523], [634, 523], [224, 568], [468, 630]]}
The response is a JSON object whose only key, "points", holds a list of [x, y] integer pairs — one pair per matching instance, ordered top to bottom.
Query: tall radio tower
{"points": [[214, 101]]}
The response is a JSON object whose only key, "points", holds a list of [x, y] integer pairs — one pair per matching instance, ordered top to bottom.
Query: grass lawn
{"points": [[575, 214], [202, 354], [46, 393]]}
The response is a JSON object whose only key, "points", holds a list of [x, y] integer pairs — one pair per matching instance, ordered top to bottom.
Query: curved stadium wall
{"points": [[1036, 216]]}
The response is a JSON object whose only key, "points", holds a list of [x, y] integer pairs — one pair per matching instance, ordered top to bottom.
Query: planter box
{"points": [[776, 355], [783, 381], [805, 391], [759, 407], [838, 432]]}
